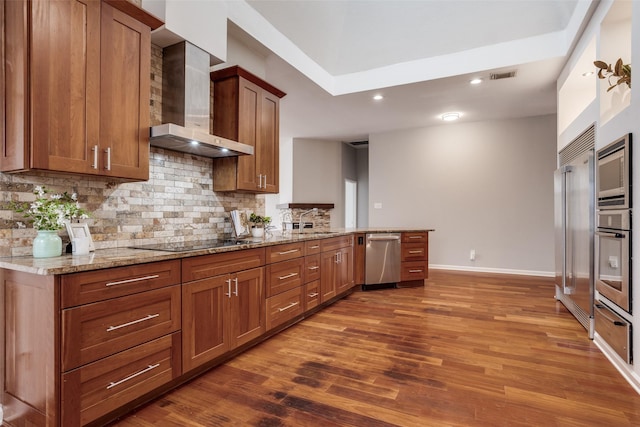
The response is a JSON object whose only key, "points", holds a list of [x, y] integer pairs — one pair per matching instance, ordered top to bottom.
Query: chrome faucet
{"points": [[301, 224]]}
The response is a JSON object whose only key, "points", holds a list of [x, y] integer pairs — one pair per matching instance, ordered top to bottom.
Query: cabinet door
{"points": [[65, 84], [124, 106], [248, 133], [267, 148], [328, 272], [344, 279], [247, 306], [205, 314]]}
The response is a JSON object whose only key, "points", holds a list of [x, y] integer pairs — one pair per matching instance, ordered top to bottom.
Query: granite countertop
{"points": [[118, 257]]}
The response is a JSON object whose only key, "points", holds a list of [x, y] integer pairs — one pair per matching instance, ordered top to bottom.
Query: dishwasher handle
{"points": [[384, 238]]}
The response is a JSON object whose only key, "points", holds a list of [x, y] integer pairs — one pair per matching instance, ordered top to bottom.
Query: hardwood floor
{"points": [[465, 350]]}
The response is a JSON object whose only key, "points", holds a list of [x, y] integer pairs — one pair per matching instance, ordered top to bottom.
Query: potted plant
{"points": [[621, 70], [48, 214], [257, 223]]}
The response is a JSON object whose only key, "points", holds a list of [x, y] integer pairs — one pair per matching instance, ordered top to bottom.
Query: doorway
{"points": [[350, 203]]}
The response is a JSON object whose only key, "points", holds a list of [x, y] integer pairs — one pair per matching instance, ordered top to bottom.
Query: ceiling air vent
{"points": [[506, 75], [358, 144]]}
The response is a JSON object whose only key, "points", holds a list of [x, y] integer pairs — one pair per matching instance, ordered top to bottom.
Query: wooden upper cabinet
{"points": [[78, 79], [246, 109]]}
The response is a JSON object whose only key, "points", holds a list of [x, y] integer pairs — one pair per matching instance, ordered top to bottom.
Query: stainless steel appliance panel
{"points": [[614, 175], [574, 214], [613, 257], [382, 258], [615, 330]]}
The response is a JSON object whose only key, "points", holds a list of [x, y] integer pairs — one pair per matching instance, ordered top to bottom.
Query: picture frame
{"points": [[80, 229]]}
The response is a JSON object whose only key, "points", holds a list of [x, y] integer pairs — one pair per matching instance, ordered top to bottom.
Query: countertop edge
{"points": [[122, 257]]}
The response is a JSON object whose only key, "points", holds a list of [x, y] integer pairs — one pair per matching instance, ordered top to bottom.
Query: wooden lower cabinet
{"points": [[415, 259], [337, 267], [284, 307], [219, 314], [82, 348], [100, 387]]}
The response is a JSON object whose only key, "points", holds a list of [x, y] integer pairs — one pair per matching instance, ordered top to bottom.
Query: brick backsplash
{"points": [[176, 203]]}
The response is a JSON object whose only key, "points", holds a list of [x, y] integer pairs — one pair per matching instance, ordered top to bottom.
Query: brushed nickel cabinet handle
{"points": [[108, 152], [95, 157], [415, 237], [314, 247], [288, 252], [415, 252], [315, 267], [415, 271], [287, 276], [137, 279], [236, 282], [228, 288], [313, 295], [293, 304], [133, 322], [132, 376]]}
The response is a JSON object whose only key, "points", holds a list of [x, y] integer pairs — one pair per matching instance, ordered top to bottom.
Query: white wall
{"points": [[362, 168], [319, 170], [486, 186]]}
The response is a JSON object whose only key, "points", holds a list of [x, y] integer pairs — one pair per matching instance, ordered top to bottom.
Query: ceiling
{"points": [[331, 57]]}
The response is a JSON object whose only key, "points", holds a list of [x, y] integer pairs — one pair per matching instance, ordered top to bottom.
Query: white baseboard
{"points": [[492, 270], [625, 369]]}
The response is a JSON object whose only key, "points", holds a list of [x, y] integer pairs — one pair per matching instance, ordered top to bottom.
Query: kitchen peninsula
{"points": [[88, 338]]}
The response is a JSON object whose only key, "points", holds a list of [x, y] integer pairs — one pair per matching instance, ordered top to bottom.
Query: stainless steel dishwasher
{"points": [[382, 260]]}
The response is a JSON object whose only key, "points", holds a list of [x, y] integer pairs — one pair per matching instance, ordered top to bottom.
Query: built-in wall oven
{"points": [[613, 243], [613, 257]]}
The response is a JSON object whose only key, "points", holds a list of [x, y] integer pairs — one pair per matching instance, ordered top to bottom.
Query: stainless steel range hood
{"points": [[186, 106]]}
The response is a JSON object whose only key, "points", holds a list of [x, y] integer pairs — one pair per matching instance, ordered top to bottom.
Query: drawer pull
{"points": [[415, 237], [314, 247], [288, 252], [415, 252], [315, 267], [415, 271], [287, 276], [137, 279], [313, 295], [293, 304], [124, 325], [132, 376]]}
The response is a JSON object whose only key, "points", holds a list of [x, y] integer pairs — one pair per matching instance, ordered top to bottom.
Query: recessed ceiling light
{"points": [[587, 74], [476, 81], [378, 97], [449, 117], [195, 142]]}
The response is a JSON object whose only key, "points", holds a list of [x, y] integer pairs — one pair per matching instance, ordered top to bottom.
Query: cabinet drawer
{"points": [[414, 237], [334, 243], [312, 247], [285, 252], [414, 252], [201, 267], [311, 268], [413, 270], [285, 275], [99, 285], [311, 295], [284, 307], [615, 330], [93, 331], [98, 388]]}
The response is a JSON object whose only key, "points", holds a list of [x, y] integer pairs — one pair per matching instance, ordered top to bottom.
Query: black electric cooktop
{"points": [[190, 246]]}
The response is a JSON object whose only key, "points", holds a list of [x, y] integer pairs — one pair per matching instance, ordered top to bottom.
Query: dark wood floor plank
{"points": [[466, 350]]}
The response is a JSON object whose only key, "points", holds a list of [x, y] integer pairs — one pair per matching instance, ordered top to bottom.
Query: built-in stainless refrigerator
{"points": [[574, 231]]}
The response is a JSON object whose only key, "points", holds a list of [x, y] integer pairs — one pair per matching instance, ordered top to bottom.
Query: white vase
{"points": [[257, 231], [47, 244]]}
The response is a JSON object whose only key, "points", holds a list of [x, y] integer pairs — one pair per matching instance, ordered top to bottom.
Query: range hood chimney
{"points": [[186, 106]]}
